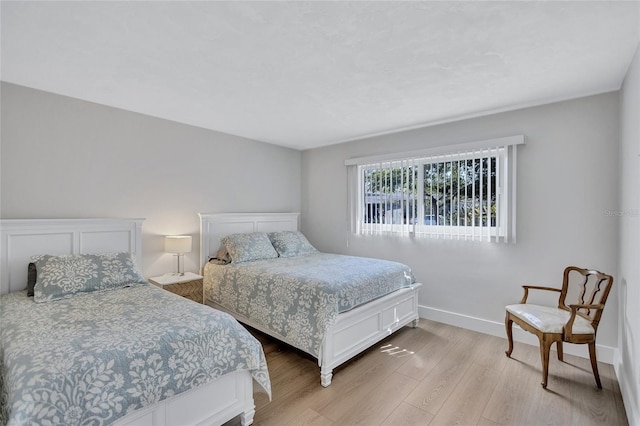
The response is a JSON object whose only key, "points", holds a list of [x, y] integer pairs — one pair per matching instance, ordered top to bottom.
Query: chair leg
{"points": [[508, 323], [545, 346], [559, 349], [594, 363]]}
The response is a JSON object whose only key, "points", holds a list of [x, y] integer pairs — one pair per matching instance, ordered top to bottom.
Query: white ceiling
{"points": [[308, 74]]}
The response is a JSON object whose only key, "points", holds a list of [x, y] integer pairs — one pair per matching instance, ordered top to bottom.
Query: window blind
{"points": [[463, 191]]}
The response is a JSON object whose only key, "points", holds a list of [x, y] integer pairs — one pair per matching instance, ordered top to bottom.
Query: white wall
{"points": [[63, 157], [567, 180], [628, 363]]}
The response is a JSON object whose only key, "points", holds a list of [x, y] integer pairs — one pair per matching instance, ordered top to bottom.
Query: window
{"points": [[461, 192]]}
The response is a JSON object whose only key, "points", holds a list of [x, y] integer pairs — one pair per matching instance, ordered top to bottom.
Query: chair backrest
{"points": [[585, 287]]}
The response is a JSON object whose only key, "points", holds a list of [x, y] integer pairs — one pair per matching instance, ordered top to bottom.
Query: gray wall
{"points": [[63, 157], [567, 181], [628, 365]]}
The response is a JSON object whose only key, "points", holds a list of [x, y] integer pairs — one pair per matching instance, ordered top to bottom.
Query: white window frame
{"points": [[504, 149]]}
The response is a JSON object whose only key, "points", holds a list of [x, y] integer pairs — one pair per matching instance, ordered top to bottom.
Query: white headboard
{"points": [[214, 226], [23, 238]]}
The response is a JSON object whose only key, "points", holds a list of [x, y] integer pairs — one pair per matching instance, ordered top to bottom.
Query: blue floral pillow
{"points": [[291, 243], [247, 247], [60, 277]]}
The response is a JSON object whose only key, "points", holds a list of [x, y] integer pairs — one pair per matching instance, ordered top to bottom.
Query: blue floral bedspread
{"points": [[300, 297], [95, 357]]}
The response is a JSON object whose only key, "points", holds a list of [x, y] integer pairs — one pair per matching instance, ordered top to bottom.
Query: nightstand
{"points": [[188, 285]]}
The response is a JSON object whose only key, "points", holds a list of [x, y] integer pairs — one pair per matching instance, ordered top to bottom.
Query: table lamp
{"points": [[179, 245]]}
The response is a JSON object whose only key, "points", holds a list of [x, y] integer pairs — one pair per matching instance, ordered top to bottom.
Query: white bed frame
{"points": [[354, 331], [212, 404]]}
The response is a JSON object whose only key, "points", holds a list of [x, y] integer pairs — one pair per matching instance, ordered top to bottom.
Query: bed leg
{"points": [[415, 322], [325, 376], [246, 418]]}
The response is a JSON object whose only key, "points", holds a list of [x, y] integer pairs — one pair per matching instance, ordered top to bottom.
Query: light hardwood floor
{"points": [[437, 374]]}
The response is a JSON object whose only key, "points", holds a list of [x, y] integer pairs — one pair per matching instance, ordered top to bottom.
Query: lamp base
{"points": [[179, 273]]}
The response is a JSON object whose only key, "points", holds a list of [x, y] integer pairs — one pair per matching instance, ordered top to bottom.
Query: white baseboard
{"points": [[494, 328], [630, 403]]}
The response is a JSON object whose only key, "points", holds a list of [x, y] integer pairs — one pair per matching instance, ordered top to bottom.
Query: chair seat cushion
{"points": [[548, 319]]}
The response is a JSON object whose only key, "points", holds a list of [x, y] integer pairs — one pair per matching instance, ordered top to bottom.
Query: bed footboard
{"points": [[360, 328], [355, 330], [214, 403]]}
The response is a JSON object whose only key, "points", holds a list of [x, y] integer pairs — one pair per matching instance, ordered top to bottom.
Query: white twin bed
{"points": [[340, 335], [132, 355]]}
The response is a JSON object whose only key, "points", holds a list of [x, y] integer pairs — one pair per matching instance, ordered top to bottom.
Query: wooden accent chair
{"points": [[573, 323]]}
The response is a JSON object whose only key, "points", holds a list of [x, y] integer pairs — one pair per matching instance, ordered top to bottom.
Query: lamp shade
{"points": [[177, 244]]}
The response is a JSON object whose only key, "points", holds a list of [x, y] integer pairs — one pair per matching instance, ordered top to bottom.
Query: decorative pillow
{"points": [[291, 243], [247, 247], [32, 275], [60, 277]]}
